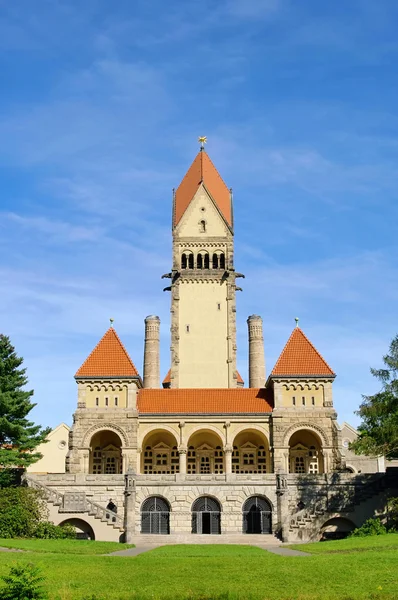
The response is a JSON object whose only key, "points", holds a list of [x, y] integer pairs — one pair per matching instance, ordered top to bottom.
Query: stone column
{"points": [[256, 352], [151, 353], [228, 459], [183, 460], [282, 506], [129, 507]]}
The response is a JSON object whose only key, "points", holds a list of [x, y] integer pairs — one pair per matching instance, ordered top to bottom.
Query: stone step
{"points": [[190, 538]]}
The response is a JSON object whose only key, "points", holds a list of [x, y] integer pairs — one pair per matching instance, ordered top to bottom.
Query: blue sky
{"points": [[101, 104]]}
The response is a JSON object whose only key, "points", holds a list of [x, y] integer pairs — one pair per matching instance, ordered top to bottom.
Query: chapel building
{"points": [[200, 453]]}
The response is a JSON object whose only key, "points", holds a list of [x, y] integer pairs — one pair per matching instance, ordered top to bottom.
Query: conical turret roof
{"points": [[202, 170], [300, 358], [108, 359]]}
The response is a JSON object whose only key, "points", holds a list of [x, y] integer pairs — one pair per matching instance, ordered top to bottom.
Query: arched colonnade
{"points": [[205, 452]]}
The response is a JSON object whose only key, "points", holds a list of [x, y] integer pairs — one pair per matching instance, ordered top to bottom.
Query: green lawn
{"points": [[64, 546], [357, 569]]}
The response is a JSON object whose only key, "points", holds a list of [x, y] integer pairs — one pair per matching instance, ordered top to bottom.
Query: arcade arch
{"points": [[250, 452], [305, 452], [160, 453], [205, 453], [105, 456], [84, 531]]}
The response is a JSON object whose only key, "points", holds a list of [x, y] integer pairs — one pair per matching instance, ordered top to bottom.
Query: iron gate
{"points": [[155, 516], [206, 516], [257, 516]]}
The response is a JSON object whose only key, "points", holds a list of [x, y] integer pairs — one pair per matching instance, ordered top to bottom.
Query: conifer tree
{"points": [[19, 437]]}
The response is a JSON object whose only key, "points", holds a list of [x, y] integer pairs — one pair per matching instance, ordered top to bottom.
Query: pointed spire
{"points": [[202, 170], [300, 358], [108, 359]]}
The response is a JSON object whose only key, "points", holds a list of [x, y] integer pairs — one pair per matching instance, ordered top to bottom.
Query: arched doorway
{"points": [[105, 453], [160, 453], [305, 453], [257, 515], [155, 516], [206, 516], [336, 529], [84, 531]]}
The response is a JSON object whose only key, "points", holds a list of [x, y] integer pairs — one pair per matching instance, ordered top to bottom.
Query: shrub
{"points": [[21, 510], [22, 514], [392, 514], [370, 527], [48, 531], [23, 583]]}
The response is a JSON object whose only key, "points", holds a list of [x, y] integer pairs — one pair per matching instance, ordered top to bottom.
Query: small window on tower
{"points": [[202, 226], [218, 306], [187, 328], [116, 400], [294, 400], [303, 400], [313, 400], [106, 401], [97, 402]]}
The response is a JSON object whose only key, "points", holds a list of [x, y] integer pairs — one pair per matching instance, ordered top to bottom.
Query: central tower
{"points": [[203, 308]]}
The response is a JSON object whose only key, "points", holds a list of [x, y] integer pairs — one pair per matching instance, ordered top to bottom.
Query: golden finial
{"points": [[202, 141], [111, 321], [297, 321]]}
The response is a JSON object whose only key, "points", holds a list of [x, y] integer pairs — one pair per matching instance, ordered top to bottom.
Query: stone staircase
{"points": [[343, 500], [91, 508]]}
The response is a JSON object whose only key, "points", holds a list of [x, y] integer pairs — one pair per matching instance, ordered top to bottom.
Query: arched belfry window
{"points": [[187, 260], [215, 261], [222, 261], [199, 262], [206, 262], [257, 512], [155, 516], [206, 516]]}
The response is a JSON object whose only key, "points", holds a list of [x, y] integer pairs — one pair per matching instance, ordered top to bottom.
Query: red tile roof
{"points": [[203, 171], [299, 357], [108, 359], [239, 378], [205, 401]]}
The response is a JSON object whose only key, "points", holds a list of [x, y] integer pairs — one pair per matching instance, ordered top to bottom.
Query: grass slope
{"points": [[64, 546], [233, 572]]}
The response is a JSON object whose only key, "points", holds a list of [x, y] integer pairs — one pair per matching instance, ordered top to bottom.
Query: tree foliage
{"points": [[378, 432], [19, 437]]}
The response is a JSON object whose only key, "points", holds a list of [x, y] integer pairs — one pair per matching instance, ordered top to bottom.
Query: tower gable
{"points": [[202, 171], [202, 218]]}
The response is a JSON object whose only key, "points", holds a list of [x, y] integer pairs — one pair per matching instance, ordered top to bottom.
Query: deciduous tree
{"points": [[378, 432]]}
